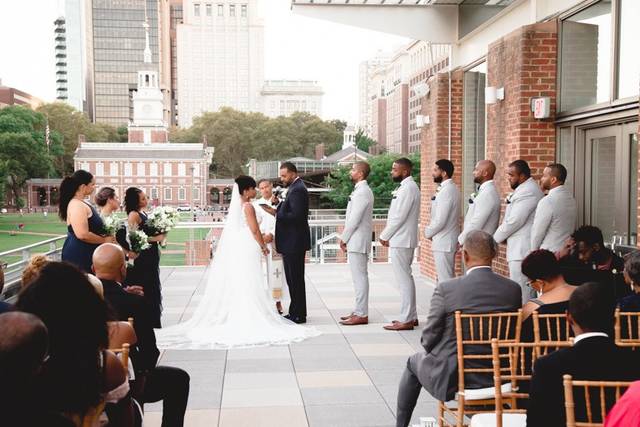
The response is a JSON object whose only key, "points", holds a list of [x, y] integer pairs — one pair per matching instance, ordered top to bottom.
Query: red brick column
{"points": [[525, 64], [435, 145]]}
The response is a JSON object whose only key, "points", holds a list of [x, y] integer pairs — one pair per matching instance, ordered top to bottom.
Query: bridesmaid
{"points": [[109, 203], [84, 225], [146, 267]]}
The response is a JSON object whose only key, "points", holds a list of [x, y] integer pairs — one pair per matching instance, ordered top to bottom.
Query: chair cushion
{"points": [[484, 393], [508, 420]]}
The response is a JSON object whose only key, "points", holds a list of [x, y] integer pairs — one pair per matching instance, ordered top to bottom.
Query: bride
{"points": [[236, 310]]}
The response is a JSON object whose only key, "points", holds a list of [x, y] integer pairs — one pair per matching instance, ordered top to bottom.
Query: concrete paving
{"points": [[348, 376]]}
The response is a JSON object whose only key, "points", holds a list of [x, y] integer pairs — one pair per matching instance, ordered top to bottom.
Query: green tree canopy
{"points": [[379, 180]]}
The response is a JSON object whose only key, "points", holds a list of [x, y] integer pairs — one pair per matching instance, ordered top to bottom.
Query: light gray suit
{"points": [[484, 211], [555, 220], [444, 229], [516, 230], [357, 233], [402, 233], [436, 368]]}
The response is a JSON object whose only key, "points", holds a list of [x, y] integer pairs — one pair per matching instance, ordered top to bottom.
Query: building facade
{"points": [[70, 55], [570, 56], [220, 57], [367, 91], [12, 96], [285, 97]]}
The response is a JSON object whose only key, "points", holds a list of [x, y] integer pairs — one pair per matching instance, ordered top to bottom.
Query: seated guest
{"points": [[585, 258], [32, 269], [543, 271], [632, 278], [479, 291], [4, 306], [23, 352], [594, 356], [80, 373], [171, 385], [626, 412]]}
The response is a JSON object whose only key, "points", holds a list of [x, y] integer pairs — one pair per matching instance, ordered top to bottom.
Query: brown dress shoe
{"points": [[347, 317], [355, 320], [415, 322], [399, 326]]}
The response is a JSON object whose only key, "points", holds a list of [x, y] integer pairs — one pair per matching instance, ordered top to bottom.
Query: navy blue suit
{"points": [[293, 239]]}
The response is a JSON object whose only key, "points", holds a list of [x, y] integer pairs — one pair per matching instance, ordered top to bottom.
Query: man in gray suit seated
{"points": [[479, 291]]}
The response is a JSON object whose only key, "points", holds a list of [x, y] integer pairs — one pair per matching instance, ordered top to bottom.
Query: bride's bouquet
{"points": [[161, 220], [111, 225]]}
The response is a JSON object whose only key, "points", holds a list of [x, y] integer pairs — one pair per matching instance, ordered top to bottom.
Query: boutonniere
{"points": [[438, 188], [394, 194], [283, 195], [472, 197], [508, 198]]}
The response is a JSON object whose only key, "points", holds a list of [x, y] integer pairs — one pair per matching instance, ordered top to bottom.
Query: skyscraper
{"points": [[69, 52], [220, 57], [367, 91]]}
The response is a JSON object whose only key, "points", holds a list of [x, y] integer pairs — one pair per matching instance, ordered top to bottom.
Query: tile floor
{"points": [[348, 376]]}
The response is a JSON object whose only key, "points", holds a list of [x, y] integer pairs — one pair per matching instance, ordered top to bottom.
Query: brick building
{"points": [[579, 56], [12, 96]]}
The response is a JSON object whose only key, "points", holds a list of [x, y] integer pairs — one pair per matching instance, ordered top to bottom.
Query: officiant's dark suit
{"points": [[293, 240]]}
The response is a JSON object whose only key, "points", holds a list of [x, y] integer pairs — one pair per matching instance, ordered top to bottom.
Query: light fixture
{"points": [[421, 90], [493, 94], [421, 120]]}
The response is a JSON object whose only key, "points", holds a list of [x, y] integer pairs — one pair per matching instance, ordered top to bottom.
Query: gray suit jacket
{"points": [[445, 212], [484, 213], [359, 220], [402, 220], [518, 220], [555, 220], [479, 291]]}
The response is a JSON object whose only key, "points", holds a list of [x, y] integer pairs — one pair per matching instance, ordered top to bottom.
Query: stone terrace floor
{"points": [[348, 376]]}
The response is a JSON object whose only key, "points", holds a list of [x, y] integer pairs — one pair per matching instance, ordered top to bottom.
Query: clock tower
{"points": [[148, 124]]}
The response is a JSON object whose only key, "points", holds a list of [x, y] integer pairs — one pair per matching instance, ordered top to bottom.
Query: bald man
{"points": [[484, 205], [169, 384]]}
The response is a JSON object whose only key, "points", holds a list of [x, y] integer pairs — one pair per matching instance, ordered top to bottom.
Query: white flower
{"points": [[472, 197], [508, 198], [162, 219], [111, 225], [139, 240]]}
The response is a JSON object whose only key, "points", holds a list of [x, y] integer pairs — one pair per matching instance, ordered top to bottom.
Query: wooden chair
{"points": [[550, 328], [627, 328], [475, 331], [124, 356], [520, 356], [607, 393]]}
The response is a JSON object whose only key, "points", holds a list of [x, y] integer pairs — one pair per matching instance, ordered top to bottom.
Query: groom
{"points": [[293, 238]]}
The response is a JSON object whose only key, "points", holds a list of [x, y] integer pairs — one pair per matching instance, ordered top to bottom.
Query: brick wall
{"points": [[525, 64], [434, 146]]}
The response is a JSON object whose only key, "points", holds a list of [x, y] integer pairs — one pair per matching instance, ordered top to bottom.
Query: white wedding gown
{"points": [[236, 310]]}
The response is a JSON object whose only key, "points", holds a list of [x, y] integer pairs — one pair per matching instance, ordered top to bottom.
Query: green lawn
{"points": [[37, 223]]}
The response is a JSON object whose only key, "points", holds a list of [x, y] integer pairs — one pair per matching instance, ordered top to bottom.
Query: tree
{"points": [[363, 142], [336, 145], [379, 180]]}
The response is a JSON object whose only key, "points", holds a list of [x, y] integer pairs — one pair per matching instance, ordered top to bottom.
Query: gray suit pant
{"points": [[401, 259], [445, 265], [515, 274], [360, 276], [408, 392]]}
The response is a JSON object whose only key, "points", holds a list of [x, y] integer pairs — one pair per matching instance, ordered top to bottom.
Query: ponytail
{"points": [[69, 187]]}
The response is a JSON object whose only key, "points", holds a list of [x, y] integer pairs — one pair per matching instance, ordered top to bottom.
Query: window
{"points": [[196, 9], [209, 9], [220, 10], [232, 10], [243, 10], [629, 65], [473, 132], [85, 166], [99, 169], [113, 169], [128, 169], [153, 169], [167, 169], [182, 169], [196, 169], [140, 171], [154, 193], [167, 193], [182, 194], [195, 194]]}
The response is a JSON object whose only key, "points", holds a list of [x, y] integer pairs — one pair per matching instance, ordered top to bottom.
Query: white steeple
{"points": [[145, 25]]}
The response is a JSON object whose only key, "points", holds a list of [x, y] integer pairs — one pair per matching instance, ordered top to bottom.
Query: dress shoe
{"points": [[279, 307], [349, 316], [300, 320], [355, 320], [415, 322], [399, 326]]}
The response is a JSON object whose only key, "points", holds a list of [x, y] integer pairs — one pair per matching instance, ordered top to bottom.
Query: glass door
{"points": [[611, 181]]}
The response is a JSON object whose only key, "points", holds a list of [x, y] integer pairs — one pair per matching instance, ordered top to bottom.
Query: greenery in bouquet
{"points": [[161, 220], [111, 225], [138, 241]]}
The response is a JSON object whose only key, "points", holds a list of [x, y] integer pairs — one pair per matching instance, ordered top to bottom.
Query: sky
{"points": [[296, 47]]}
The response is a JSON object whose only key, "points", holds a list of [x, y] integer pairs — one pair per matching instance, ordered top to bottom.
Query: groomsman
{"points": [[484, 205], [555, 217], [518, 221], [443, 230], [401, 237], [356, 241]]}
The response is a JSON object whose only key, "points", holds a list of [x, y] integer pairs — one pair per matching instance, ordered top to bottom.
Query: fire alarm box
{"points": [[541, 107]]}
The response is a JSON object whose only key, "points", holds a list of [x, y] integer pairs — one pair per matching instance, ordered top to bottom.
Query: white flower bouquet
{"points": [[161, 220], [111, 225], [138, 240]]}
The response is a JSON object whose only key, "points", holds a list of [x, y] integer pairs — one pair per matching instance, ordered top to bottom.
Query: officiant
{"points": [[268, 229]]}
